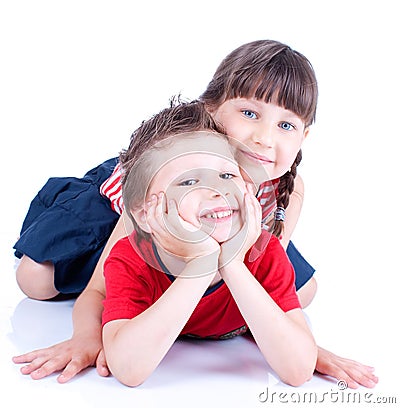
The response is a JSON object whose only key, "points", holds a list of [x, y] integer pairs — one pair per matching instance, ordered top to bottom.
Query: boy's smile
{"points": [[218, 214], [221, 222]]}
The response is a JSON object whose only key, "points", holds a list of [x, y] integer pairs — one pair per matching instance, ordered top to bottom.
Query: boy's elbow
{"points": [[130, 369], [299, 374], [129, 376], [296, 379], [131, 380]]}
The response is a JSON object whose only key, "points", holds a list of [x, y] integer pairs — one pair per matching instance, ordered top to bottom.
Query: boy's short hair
{"points": [[137, 170]]}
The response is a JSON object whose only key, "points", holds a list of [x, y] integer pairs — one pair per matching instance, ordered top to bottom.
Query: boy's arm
{"points": [[293, 210], [283, 338], [135, 347], [84, 349]]}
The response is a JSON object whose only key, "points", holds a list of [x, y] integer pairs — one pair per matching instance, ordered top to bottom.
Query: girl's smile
{"points": [[260, 159]]}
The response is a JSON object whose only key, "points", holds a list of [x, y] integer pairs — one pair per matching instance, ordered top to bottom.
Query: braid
{"points": [[285, 188]]}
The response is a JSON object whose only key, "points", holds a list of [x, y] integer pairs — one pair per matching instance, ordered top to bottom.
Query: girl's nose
{"points": [[263, 136]]}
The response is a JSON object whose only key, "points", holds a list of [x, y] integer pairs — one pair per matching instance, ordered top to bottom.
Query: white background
{"points": [[77, 77]]}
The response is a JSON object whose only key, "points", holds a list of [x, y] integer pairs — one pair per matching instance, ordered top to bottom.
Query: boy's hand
{"points": [[175, 235], [237, 247], [71, 356]]}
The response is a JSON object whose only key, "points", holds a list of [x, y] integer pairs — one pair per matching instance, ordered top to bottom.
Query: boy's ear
{"points": [[306, 131], [141, 219]]}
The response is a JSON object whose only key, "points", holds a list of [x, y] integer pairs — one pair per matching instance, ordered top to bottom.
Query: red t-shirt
{"points": [[132, 286]]}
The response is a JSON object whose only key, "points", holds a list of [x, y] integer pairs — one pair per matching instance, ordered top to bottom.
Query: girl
{"points": [[257, 80], [152, 295]]}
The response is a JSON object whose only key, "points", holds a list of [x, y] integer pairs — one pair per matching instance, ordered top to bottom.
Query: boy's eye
{"points": [[249, 114], [286, 126], [227, 176], [189, 182]]}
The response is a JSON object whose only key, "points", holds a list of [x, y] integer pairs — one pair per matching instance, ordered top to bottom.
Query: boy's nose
{"points": [[217, 188], [217, 191]]}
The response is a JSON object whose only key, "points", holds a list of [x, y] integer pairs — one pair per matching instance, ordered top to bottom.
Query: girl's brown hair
{"points": [[270, 71], [136, 161]]}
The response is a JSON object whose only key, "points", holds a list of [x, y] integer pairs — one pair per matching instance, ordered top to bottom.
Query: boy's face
{"points": [[265, 134], [200, 174]]}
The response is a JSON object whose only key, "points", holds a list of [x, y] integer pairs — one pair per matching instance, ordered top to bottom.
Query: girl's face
{"points": [[266, 135], [200, 174]]}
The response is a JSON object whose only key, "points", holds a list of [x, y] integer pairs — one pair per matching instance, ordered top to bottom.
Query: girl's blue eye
{"points": [[249, 114], [286, 126], [227, 176], [189, 182]]}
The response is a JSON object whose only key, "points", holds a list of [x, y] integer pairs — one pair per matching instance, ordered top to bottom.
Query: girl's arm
{"points": [[293, 210], [283, 338], [135, 347], [84, 349]]}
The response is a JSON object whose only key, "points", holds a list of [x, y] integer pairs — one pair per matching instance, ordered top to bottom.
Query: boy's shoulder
{"points": [[265, 242], [132, 251], [268, 254]]}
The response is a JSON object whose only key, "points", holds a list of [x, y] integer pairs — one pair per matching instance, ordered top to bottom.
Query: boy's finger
{"points": [[251, 188], [164, 204], [160, 211], [173, 215], [28, 357], [34, 365], [101, 365], [49, 367], [70, 371]]}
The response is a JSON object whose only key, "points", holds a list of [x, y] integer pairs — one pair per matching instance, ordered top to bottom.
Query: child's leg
{"points": [[63, 234], [36, 280], [306, 285], [307, 292]]}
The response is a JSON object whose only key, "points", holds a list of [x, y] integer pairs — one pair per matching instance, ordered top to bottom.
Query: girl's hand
{"points": [[175, 235], [237, 247], [71, 357], [343, 369]]}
